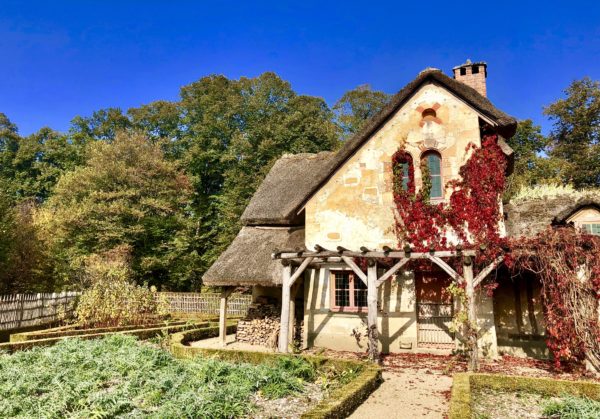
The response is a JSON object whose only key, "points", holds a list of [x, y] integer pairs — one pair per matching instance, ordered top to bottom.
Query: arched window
{"points": [[434, 163]]}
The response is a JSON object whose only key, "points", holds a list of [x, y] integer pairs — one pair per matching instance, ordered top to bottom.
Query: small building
{"points": [[322, 210]]}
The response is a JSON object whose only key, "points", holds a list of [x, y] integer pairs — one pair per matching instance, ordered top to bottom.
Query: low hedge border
{"points": [[60, 332], [142, 333], [461, 401], [340, 403]]}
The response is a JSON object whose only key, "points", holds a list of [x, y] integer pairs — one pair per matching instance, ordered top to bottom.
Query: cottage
{"points": [[315, 214]]}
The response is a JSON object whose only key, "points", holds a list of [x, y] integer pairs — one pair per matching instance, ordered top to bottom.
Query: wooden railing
{"points": [[206, 303], [25, 310]]}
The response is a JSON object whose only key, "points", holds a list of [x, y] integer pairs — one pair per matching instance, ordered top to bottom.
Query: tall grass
{"points": [[120, 377]]}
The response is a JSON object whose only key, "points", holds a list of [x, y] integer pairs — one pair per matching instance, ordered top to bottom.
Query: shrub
{"points": [[111, 298], [570, 407]]}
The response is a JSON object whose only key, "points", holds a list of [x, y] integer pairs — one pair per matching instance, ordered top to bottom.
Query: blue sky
{"points": [[60, 59]]}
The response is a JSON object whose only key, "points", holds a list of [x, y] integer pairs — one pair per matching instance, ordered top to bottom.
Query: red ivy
{"points": [[473, 209], [472, 214]]}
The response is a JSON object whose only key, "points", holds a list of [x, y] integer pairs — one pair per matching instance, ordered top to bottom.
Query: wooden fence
{"points": [[206, 303], [24, 310]]}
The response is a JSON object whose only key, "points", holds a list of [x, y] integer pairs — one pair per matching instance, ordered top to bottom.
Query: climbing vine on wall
{"points": [[472, 213], [565, 260], [567, 264]]}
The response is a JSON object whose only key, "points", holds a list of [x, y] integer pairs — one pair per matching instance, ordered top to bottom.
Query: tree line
{"points": [[166, 183]]}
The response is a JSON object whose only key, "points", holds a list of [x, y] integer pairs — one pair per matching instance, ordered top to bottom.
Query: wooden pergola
{"points": [[295, 262]]}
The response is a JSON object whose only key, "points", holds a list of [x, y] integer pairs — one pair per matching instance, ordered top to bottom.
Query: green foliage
{"points": [[357, 106], [235, 130], [575, 138], [530, 167], [127, 194], [24, 263], [111, 298], [118, 376], [570, 407]]}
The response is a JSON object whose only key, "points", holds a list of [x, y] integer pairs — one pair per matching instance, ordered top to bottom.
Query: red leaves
{"points": [[472, 212]]}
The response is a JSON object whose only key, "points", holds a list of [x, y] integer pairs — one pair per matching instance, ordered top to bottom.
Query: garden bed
{"points": [[77, 330], [19, 342], [118, 376], [351, 382], [499, 396]]}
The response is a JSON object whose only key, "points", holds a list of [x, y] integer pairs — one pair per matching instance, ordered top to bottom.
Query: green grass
{"points": [[120, 377], [570, 407]]}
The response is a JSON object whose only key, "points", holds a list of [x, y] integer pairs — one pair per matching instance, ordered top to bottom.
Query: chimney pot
{"points": [[473, 75]]}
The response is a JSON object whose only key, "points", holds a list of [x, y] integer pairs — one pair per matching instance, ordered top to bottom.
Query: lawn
{"points": [[120, 376]]}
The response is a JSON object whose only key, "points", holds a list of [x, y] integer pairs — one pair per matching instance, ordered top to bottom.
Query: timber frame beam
{"points": [[307, 259]]}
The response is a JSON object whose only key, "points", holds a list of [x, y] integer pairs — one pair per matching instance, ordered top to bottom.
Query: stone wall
{"points": [[355, 207]]}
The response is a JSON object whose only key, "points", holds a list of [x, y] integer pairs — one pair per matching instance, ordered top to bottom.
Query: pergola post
{"points": [[223, 315], [292, 327], [284, 328], [372, 334], [472, 337]]}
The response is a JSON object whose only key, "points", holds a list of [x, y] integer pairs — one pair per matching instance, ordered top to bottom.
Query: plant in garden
{"points": [[111, 298], [120, 377], [571, 407]]}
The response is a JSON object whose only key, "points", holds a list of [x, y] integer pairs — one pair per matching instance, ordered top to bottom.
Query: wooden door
{"points": [[435, 310]]}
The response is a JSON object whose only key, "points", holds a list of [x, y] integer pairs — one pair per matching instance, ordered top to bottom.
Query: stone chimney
{"points": [[473, 75]]}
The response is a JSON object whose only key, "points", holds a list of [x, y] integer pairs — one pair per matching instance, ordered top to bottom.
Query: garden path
{"points": [[232, 344], [407, 393]]}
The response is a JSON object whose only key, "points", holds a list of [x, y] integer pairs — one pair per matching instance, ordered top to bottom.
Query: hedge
{"points": [[76, 330], [142, 333], [461, 401], [340, 403]]}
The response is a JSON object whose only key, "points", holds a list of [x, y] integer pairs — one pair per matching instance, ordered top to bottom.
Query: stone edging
{"points": [[339, 404], [461, 406]]}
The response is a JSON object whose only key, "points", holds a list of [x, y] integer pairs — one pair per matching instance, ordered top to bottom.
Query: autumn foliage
{"points": [[565, 260]]}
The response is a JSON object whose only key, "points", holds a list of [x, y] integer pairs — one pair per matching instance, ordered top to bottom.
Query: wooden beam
{"points": [[396, 254], [439, 262], [355, 268], [488, 269], [300, 270], [392, 271], [223, 315], [284, 326], [292, 327], [372, 332], [472, 332]]}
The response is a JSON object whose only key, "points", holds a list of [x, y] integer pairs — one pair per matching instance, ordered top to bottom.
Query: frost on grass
{"points": [[119, 376]]}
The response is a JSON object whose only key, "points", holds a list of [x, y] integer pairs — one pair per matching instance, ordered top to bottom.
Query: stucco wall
{"points": [[355, 207], [396, 315]]}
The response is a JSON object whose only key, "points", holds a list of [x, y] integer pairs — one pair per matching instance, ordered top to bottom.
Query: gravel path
{"points": [[406, 394]]}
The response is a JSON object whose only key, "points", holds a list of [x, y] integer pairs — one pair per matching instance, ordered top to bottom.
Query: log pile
{"points": [[260, 326]]}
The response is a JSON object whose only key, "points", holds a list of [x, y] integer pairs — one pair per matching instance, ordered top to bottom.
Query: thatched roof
{"points": [[295, 178], [284, 189], [529, 217], [247, 261]]}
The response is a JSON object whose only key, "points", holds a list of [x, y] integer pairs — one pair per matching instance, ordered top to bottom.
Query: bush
{"points": [[111, 298], [570, 407]]}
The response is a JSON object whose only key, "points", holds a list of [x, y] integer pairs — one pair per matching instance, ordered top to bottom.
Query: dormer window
{"points": [[433, 161]]}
